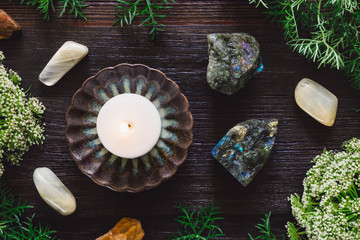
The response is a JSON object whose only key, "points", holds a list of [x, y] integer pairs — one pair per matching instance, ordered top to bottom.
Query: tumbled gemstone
{"points": [[7, 25], [68, 55], [233, 59], [316, 101], [245, 148], [53, 191], [125, 229]]}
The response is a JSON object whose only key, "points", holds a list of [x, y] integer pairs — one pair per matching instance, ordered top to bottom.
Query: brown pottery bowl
{"points": [[149, 170]]}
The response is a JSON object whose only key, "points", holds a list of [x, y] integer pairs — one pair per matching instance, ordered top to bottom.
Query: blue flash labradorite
{"points": [[233, 59], [245, 148]]}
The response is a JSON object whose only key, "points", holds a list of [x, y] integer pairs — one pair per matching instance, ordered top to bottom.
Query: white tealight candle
{"points": [[128, 125]]}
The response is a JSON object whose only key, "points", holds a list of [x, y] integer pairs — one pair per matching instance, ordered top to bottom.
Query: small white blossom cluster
{"points": [[20, 118], [330, 205]]}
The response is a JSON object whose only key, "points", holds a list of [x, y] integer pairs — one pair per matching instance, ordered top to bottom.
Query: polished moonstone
{"points": [[69, 54], [316, 101], [245, 148], [53, 191]]}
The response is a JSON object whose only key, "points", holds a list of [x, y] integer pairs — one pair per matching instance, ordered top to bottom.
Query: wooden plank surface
{"points": [[181, 53]]}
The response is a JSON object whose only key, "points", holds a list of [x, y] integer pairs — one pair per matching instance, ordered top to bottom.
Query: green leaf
{"points": [[74, 6], [46, 7], [148, 11], [324, 31], [198, 223], [13, 225], [264, 229]]}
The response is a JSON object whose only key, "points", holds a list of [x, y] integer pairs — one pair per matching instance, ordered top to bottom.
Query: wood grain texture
{"points": [[181, 53]]}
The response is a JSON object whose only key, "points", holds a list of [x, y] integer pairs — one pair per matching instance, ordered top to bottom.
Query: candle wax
{"points": [[128, 125]]}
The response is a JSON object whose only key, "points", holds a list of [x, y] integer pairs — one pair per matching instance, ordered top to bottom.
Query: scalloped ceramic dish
{"points": [[120, 174]]}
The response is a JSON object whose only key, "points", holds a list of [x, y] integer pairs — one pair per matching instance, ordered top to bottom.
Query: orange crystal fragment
{"points": [[7, 25], [125, 229]]}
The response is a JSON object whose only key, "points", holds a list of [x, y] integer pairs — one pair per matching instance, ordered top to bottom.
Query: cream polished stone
{"points": [[68, 55], [316, 101], [53, 191]]}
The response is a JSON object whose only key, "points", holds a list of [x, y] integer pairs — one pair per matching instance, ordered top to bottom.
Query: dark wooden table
{"points": [[181, 53]]}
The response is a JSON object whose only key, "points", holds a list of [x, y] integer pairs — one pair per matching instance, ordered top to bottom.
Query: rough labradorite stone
{"points": [[233, 59], [244, 149]]}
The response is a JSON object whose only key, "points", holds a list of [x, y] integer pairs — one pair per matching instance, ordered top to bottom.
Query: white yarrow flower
{"points": [[20, 118], [330, 205]]}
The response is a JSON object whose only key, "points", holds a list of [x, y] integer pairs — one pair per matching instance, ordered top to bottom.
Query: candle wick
{"points": [[125, 127]]}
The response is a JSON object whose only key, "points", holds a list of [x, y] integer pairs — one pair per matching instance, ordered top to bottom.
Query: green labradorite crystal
{"points": [[233, 59], [245, 148]]}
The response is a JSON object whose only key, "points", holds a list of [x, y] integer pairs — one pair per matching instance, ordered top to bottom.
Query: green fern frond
{"points": [[258, 3], [43, 6], [74, 6], [46, 7], [148, 11], [324, 31], [198, 223], [13, 225], [264, 229], [294, 232]]}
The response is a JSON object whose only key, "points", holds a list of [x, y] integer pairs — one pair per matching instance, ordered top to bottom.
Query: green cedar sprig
{"points": [[43, 6], [74, 6], [46, 7], [148, 11], [325, 31], [198, 223], [13, 225], [264, 229]]}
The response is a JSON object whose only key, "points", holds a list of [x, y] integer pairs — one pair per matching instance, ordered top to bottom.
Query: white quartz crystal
{"points": [[68, 55], [316, 101], [53, 191]]}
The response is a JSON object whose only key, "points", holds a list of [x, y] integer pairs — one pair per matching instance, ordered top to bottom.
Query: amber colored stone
{"points": [[7, 25], [125, 229]]}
